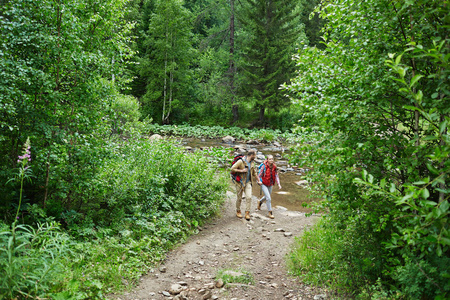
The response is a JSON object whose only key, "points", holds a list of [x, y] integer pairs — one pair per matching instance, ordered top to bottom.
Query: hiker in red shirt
{"points": [[268, 175]]}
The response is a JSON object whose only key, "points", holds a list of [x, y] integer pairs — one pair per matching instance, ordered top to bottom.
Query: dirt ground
{"points": [[258, 246]]}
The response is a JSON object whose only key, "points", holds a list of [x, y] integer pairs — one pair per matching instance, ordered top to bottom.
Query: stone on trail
{"points": [[278, 207], [279, 230], [286, 234], [163, 269], [219, 283], [209, 285], [175, 289], [165, 293], [207, 295], [320, 297]]}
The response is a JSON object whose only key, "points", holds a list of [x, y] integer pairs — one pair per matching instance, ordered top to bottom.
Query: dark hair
{"points": [[251, 152]]}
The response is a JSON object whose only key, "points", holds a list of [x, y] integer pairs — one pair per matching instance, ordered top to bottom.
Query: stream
{"points": [[294, 192]]}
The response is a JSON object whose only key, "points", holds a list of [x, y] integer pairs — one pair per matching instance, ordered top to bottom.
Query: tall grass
{"points": [[314, 255]]}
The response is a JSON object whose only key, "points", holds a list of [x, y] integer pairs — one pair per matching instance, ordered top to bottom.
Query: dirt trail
{"points": [[258, 246]]}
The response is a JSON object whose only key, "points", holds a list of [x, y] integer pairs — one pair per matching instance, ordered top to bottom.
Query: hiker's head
{"points": [[251, 154], [270, 159]]}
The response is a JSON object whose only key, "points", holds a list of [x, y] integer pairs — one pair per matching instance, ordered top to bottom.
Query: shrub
{"points": [[32, 260]]}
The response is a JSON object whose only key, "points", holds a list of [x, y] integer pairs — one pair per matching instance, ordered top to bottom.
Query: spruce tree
{"points": [[273, 27]]}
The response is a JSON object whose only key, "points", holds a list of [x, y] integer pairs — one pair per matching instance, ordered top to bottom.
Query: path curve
{"points": [[258, 246]]}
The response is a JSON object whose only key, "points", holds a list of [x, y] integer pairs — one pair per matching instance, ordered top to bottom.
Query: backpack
{"points": [[260, 167], [235, 176]]}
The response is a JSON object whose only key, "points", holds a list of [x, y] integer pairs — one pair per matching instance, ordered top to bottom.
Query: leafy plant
{"points": [[376, 102], [235, 276]]}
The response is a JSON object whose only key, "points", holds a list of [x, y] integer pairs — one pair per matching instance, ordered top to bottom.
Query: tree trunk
{"points": [[232, 68], [165, 83], [262, 110]]}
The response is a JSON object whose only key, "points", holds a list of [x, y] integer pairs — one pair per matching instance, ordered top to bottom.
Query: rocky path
{"points": [[258, 246]]}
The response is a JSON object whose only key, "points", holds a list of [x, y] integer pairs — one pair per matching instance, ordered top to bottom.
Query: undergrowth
{"points": [[198, 131]]}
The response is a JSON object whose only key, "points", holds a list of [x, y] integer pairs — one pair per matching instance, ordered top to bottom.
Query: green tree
{"points": [[313, 24], [272, 28], [168, 56], [60, 60], [377, 99]]}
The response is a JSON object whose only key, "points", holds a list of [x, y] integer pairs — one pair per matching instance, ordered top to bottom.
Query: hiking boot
{"points": [[259, 205], [238, 214], [247, 215], [271, 215]]}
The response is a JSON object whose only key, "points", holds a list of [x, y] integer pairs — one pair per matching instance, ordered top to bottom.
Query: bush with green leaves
{"points": [[377, 100], [198, 131], [154, 177]]}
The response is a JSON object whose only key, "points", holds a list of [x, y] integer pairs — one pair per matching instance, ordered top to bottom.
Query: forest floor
{"points": [[258, 247]]}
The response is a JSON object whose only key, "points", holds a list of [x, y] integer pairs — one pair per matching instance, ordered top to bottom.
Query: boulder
{"points": [[155, 137], [228, 139], [252, 142]]}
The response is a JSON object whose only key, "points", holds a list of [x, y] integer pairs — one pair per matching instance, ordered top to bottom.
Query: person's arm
{"points": [[237, 167], [255, 174], [277, 180]]}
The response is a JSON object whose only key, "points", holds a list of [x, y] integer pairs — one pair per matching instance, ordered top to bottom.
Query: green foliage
{"points": [[273, 28], [167, 57], [56, 60], [125, 109], [369, 109], [198, 131], [153, 178], [315, 255], [32, 260], [235, 276]]}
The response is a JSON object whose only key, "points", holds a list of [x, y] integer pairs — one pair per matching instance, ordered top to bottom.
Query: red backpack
{"points": [[235, 176]]}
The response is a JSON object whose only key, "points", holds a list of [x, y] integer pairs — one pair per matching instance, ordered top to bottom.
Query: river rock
{"points": [[155, 137], [228, 139], [252, 142], [276, 144], [260, 157], [290, 170], [301, 182], [175, 289], [165, 293], [320, 297]]}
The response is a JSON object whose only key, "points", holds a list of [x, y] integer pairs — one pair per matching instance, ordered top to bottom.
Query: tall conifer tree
{"points": [[274, 27]]}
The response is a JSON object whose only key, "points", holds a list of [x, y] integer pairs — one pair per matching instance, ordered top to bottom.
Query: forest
{"points": [[88, 203]]}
